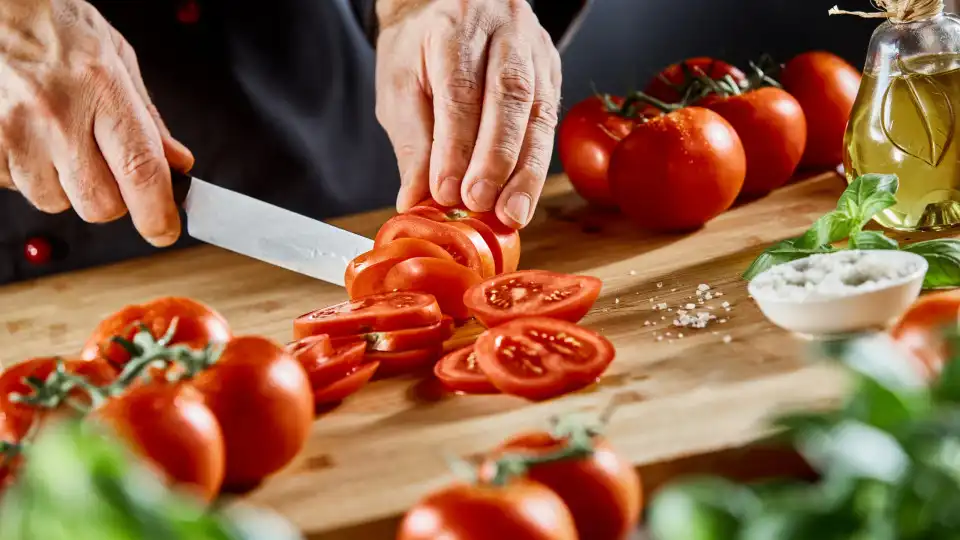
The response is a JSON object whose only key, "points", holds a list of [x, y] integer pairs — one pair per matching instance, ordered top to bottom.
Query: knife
{"points": [[265, 232]]}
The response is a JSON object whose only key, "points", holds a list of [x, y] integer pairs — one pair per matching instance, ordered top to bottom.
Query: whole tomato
{"points": [[664, 86], [826, 87], [772, 128], [587, 137], [676, 172], [197, 325], [919, 332], [261, 397], [170, 426], [8, 463], [603, 491], [518, 510]]}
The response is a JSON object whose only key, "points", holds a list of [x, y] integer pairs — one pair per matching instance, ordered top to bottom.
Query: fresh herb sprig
{"points": [[863, 199]]}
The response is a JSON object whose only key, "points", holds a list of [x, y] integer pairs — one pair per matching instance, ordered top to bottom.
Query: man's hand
{"points": [[468, 92], [77, 128]]}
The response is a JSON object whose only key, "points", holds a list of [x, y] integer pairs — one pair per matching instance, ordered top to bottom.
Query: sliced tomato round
{"points": [[461, 241], [504, 241], [365, 273], [446, 281], [532, 293], [375, 313], [404, 340], [540, 358], [404, 362], [324, 363], [460, 372], [348, 385]]}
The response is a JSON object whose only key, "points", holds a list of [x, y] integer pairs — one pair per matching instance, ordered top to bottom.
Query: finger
{"points": [[457, 77], [508, 97], [403, 110], [131, 145], [30, 168], [87, 179], [6, 181], [518, 200]]}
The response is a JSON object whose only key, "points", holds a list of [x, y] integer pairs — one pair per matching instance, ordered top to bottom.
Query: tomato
{"points": [[665, 85], [826, 87], [772, 129], [586, 139], [676, 172], [462, 241], [504, 242], [365, 274], [447, 281], [532, 293], [375, 313], [197, 326], [919, 332], [404, 340], [539, 358], [404, 362], [325, 364], [460, 372], [347, 386], [262, 399], [20, 416], [170, 426], [8, 463], [602, 491], [519, 510]]}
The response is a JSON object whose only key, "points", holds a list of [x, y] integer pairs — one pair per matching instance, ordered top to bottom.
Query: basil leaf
{"points": [[867, 196], [830, 228], [871, 240], [780, 253], [943, 256], [700, 509]]}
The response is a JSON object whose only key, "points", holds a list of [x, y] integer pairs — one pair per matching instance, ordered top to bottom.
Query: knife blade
{"points": [[265, 232]]}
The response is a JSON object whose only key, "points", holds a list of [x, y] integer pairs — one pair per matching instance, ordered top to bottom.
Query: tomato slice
{"points": [[461, 241], [504, 242], [365, 274], [446, 281], [532, 293], [375, 313], [404, 340], [540, 358], [404, 362], [324, 363], [460, 372], [346, 386]]}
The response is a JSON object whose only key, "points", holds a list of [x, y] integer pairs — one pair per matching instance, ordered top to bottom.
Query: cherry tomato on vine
{"points": [[664, 86], [676, 172], [462, 241], [504, 242], [365, 273], [447, 281], [532, 293], [375, 313], [920, 330], [460, 372], [347, 386]]}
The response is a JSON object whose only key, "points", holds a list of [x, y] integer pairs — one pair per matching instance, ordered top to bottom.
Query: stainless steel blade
{"points": [[269, 233]]}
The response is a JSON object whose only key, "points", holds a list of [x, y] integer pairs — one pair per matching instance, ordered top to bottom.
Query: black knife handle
{"points": [[181, 185]]}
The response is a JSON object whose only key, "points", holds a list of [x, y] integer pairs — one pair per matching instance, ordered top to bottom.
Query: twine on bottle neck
{"points": [[898, 11]]}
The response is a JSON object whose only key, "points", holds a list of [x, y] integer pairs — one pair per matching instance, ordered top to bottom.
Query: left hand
{"points": [[468, 92]]}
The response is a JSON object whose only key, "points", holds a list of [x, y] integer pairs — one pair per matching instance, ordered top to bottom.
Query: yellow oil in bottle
{"points": [[904, 122]]}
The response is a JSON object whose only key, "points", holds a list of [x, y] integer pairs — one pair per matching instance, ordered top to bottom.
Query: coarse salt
{"points": [[693, 320]]}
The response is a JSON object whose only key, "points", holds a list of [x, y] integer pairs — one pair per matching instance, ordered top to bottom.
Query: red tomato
{"points": [[664, 86], [826, 87], [772, 129], [586, 139], [676, 172], [462, 241], [504, 242], [365, 274], [445, 280], [532, 293], [375, 313], [197, 326], [920, 330], [404, 340], [539, 358], [404, 362], [325, 364], [460, 372], [347, 386], [262, 399], [19, 416], [170, 426], [8, 463], [602, 491], [519, 510]]}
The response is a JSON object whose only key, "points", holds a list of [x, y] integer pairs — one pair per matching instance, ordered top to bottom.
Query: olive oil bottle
{"points": [[905, 118]]}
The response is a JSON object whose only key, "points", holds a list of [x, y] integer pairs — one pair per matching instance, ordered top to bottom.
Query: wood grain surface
{"points": [[684, 401]]}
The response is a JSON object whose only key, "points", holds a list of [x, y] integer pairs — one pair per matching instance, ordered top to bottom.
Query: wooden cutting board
{"points": [[685, 402]]}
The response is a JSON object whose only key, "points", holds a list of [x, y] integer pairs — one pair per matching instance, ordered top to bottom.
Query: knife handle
{"points": [[181, 186]]}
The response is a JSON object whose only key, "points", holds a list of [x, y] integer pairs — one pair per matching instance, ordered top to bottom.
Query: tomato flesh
{"points": [[462, 241], [504, 242], [364, 275], [445, 280], [532, 293], [375, 313], [404, 340], [540, 358], [404, 362], [326, 364], [460, 372], [347, 386]]}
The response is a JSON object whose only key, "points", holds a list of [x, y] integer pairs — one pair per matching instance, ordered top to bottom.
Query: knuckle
{"points": [[515, 82], [463, 87], [544, 117], [406, 151], [504, 151], [143, 169]]}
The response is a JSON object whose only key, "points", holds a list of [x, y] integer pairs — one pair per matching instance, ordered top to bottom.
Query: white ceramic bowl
{"points": [[856, 312]]}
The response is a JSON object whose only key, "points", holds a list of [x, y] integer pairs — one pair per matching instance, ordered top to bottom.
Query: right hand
{"points": [[77, 127]]}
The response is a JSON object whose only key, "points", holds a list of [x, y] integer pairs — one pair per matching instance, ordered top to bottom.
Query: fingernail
{"points": [[449, 191], [484, 194], [518, 207]]}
